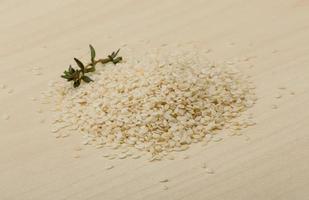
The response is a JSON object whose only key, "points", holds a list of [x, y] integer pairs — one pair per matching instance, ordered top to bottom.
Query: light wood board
{"points": [[269, 162]]}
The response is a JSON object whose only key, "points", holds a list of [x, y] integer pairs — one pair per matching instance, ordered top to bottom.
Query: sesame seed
{"points": [[2, 86], [281, 87], [10, 91], [278, 96], [274, 106], [6, 117], [217, 139], [78, 148], [76, 156], [122, 156], [136, 156], [109, 167], [209, 170], [165, 180]]}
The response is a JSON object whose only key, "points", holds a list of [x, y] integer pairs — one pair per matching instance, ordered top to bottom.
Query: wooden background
{"points": [[271, 159]]}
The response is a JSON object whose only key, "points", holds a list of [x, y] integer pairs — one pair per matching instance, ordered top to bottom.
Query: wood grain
{"points": [[272, 164]]}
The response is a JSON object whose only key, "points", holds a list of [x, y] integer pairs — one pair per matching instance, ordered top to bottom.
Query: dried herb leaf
{"points": [[92, 51], [80, 64], [91, 69], [71, 70], [86, 79], [76, 83]]}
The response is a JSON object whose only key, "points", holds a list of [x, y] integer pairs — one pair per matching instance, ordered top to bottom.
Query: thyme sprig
{"points": [[78, 75]]}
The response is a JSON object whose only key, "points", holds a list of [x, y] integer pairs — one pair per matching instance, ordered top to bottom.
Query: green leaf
{"points": [[92, 51], [116, 53], [117, 60], [80, 64], [92, 69], [71, 70], [67, 73], [64, 76], [69, 78], [86, 79], [76, 83]]}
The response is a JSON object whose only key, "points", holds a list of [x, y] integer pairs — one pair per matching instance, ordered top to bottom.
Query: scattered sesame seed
{"points": [[38, 73], [2, 86], [281, 87], [10, 91], [278, 96], [274, 107], [40, 111], [6, 117], [64, 135], [217, 139], [85, 142], [78, 148], [124, 150], [129, 154], [106, 155], [76, 156], [112, 156], [122, 156], [136, 156], [170, 157], [204, 165], [109, 167], [209, 170], [165, 180], [165, 187]]}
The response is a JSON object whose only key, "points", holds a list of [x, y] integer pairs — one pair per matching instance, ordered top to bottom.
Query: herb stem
{"points": [[76, 75]]}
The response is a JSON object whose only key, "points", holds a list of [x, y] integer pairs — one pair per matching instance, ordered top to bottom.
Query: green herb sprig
{"points": [[78, 75]]}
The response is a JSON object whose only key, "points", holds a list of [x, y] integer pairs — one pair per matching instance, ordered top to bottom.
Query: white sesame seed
{"points": [[2, 86], [281, 87], [10, 91], [278, 96], [274, 106], [39, 111], [6, 117], [217, 139], [78, 148], [106, 155], [77, 156], [112, 156], [122, 156], [136, 156], [170, 157], [204, 165], [109, 167], [209, 170], [165, 180]]}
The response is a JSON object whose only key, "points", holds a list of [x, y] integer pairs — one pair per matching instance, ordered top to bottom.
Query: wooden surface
{"points": [[269, 162]]}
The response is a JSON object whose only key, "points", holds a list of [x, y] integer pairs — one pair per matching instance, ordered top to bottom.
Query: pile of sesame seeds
{"points": [[156, 103]]}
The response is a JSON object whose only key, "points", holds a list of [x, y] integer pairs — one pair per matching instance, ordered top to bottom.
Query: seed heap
{"points": [[161, 103]]}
